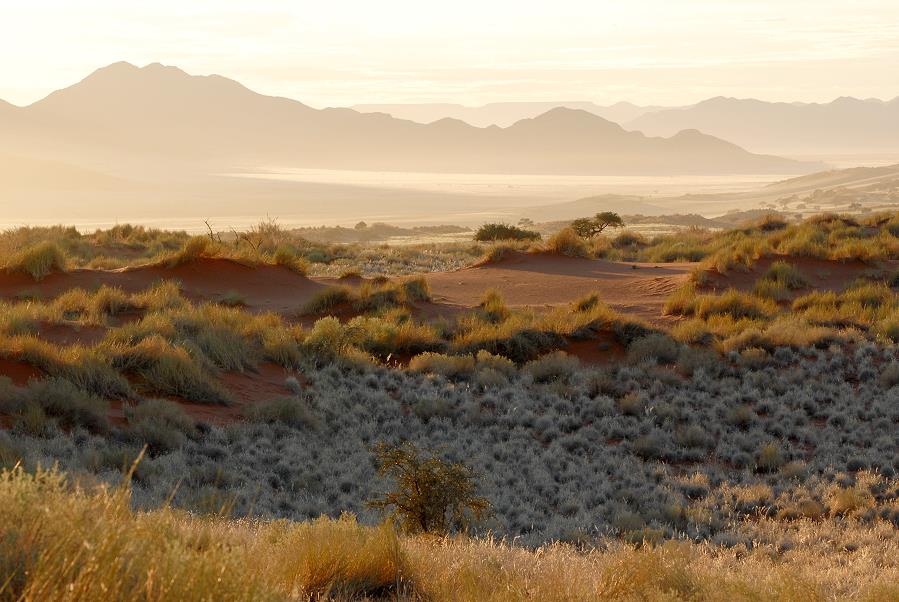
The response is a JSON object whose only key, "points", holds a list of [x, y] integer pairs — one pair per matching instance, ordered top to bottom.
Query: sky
{"points": [[339, 53]]}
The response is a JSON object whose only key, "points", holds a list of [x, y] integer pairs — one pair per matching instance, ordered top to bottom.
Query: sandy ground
{"points": [[535, 280]]}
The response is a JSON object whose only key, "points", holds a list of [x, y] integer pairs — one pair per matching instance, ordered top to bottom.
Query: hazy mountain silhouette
{"points": [[122, 114], [502, 114], [846, 125]]}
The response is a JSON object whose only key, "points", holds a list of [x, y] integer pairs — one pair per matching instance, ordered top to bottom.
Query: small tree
{"points": [[361, 226], [588, 227], [431, 495]]}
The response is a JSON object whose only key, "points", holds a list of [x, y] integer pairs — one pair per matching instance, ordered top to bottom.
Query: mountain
{"points": [[123, 114], [502, 114], [846, 125]]}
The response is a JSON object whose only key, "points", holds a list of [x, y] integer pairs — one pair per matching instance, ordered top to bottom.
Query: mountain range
{"points": [[502, 114], [123, 115], [845, 126]]}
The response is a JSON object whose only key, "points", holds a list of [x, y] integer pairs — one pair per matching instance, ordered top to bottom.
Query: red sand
{"points": [[821, 274], [541, 279], [263, 287], [71, 334], [18, 372]]}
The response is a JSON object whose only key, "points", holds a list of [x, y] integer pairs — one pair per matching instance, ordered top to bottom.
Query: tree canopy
{"points": [[588, 227]]}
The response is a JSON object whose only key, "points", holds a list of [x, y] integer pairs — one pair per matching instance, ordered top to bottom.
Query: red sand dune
{"points": [[821, 274], [540, 279], [263, 287]]}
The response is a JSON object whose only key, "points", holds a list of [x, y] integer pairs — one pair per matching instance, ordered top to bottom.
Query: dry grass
{"points": [[38, 261], [75, 544]]}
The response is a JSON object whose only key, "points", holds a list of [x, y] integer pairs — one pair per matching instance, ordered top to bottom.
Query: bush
{"points": [[494, 232], [629, 240], [567, 242], [198, 247], [286, 257], [38, 261], [417, 290], [328, 299], [493, 308], [657, 347], [449, 366], [552, 367], [168, 370], [70, 405], [292, 411], [160, 424], [430, 495]]}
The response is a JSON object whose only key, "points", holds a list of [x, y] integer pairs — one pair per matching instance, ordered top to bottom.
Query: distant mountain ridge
{"points": [[128, 113], [502, 114], [844, 125]]}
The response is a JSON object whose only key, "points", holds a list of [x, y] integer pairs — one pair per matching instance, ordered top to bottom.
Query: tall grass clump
{"points": [[567, 242], [38, 261], [328, 299]]}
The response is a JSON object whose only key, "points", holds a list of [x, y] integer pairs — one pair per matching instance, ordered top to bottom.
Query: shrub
{"points": [[494, 232], [629, 240], [567, 242], [198, 247], [498, 251], [286, 257], [38, 261], [785, 273], [417, 290], [328, 299], [735, 304], [493, 308], [330, 338], [657, 347], [487, 360], [449, 366], [552, 367], [168, 370], [889, 376], [70, 405], [292, 411], [160, 424], [769, 458], [430, 494]]}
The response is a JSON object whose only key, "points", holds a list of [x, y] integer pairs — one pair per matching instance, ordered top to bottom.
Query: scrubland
{"points": [[741, 447]]}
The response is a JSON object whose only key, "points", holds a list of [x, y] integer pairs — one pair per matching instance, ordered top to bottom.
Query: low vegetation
{"points": [[495, 232], [745, 449]]}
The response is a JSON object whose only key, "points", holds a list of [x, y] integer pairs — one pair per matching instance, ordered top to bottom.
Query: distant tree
{"points": [[525, 222], [361, 226], [588, 227], [492, 232], [431, 495]]}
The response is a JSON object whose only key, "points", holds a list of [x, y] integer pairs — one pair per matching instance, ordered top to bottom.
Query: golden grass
{"points": [[38, 261], [78, 544]]}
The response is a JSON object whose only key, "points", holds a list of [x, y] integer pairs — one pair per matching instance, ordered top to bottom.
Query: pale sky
{"points": [[337, 53]]}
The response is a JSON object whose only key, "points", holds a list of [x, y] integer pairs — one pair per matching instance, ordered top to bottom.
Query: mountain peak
{"points": [[565, 116]]}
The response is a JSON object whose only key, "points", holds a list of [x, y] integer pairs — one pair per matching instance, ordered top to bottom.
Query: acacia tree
{"points": [[588, 227], [431, 495]]}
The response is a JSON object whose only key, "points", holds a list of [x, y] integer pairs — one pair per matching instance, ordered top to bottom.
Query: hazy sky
{"points": [[330, 53]]}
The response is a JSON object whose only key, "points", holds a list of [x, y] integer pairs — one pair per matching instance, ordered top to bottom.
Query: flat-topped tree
{"points": [[588, 227]]}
